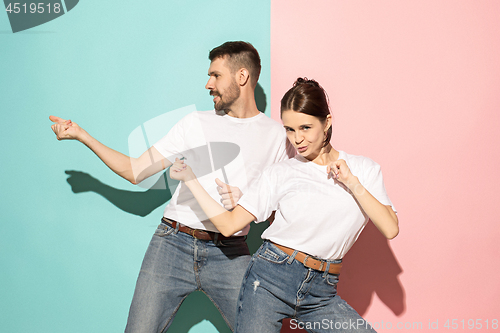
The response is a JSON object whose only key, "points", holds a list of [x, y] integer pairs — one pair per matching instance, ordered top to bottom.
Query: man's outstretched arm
{"points": [[132, 169]]}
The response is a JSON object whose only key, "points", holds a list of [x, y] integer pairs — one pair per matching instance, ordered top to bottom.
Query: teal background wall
{"points": [[69, 261]]}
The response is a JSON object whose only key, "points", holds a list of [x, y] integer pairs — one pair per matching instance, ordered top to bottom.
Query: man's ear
{"points": [[243, 77]]}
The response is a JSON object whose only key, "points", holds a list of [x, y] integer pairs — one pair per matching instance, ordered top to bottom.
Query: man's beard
{"points": [[230, 96]]}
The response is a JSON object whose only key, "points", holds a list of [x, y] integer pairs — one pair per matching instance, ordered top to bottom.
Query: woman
{"points": [[323, 198]]}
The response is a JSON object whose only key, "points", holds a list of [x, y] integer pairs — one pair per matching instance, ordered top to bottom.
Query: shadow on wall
{"points": [[260, 98], [137, 203], [143, 203], [370, 267]]}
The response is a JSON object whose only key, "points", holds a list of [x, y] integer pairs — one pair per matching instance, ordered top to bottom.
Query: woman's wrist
{"points": [[355, 186]]}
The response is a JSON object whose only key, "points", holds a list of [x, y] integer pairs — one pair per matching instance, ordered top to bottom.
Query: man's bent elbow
{"points": [[133, 180]]}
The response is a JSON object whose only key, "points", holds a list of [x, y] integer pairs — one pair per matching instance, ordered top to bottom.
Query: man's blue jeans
{"points": [[175, 265], [276, 286]]}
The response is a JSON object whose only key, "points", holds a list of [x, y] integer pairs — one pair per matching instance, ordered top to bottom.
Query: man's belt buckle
{"points": [[201, 233]]}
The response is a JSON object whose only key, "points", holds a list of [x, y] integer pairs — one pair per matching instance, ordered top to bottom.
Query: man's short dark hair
{"points": [[240, 55]]}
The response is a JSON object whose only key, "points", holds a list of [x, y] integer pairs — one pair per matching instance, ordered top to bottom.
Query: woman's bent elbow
{"points": [[227, 233], [392, 234]]}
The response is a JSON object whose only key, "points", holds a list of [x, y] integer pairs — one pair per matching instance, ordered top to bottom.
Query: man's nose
{"points": [[209, 84]]}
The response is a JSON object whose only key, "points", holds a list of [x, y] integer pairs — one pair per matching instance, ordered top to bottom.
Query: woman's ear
{"points": [[328, 122]]}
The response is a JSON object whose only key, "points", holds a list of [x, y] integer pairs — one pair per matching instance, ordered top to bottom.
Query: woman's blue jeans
{"points": [[175, 265], [276, 286]]}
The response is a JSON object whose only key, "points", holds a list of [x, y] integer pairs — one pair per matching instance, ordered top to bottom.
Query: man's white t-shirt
{"points": [[215, 145], [314, 214]]}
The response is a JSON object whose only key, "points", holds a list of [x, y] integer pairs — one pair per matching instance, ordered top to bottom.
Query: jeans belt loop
{"points": [[177, 225], [215, 239], [290, 260], [305, 261], [322, 263], [326, 269]]}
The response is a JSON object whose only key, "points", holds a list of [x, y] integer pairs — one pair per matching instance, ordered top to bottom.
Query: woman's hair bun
{"points": [[305, 80]]}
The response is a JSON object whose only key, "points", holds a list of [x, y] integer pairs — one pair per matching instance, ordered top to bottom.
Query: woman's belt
{"points": [[310, 261]]}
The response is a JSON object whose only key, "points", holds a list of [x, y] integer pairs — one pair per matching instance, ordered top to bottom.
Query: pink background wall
{"points": [[415, 85]]}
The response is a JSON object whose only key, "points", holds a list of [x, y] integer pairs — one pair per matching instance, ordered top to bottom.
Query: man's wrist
{"points": [[84, 137], [191, 181]]}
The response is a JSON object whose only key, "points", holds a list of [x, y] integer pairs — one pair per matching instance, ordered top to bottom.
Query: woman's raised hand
{"points": [[181, 171], [341, 172]]}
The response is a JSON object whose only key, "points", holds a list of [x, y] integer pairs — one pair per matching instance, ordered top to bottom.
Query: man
{"points": [[234, 142]]}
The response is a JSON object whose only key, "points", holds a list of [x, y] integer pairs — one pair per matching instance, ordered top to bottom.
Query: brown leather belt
{"points": [[198, 233], [310, 261]]}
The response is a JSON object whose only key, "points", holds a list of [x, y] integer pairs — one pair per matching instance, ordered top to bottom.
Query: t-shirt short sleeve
{"points": [[173, 144], [374, 183], [260, 198]]}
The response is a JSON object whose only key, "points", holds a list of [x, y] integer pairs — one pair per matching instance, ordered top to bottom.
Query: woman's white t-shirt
{"points": [[315, 214]]}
